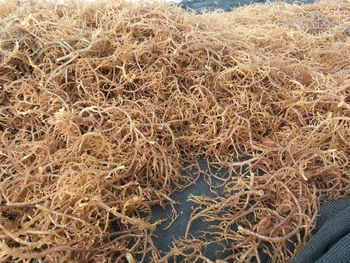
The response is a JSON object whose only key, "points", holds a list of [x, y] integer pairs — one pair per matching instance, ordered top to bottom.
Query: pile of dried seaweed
{"points": [[102, 105]]}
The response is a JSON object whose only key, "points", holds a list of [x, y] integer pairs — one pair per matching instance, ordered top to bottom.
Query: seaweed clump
{"points": [[102, 105]]}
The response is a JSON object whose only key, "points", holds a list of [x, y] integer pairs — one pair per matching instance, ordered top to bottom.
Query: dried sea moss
{"points": [[103, 104]]}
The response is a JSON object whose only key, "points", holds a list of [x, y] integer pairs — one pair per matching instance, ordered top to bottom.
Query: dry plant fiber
{"points": [[103, 105]]}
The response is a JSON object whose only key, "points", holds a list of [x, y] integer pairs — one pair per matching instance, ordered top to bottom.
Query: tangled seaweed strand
{"points": [[102, 104]]}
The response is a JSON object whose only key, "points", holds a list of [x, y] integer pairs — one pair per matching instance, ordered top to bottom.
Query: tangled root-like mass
{"points": [[102, 105]]}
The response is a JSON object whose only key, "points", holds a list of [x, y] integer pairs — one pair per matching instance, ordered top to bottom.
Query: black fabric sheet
{"points": [[226, 5], [331, 239], [329, 243]]}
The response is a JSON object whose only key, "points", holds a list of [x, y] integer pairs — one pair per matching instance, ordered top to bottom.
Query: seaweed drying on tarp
{"points": [[103, 104]]}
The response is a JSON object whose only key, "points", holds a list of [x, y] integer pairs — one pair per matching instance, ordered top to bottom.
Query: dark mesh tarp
{"points": [[226, 5], [163, 237], [331, 239]]}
